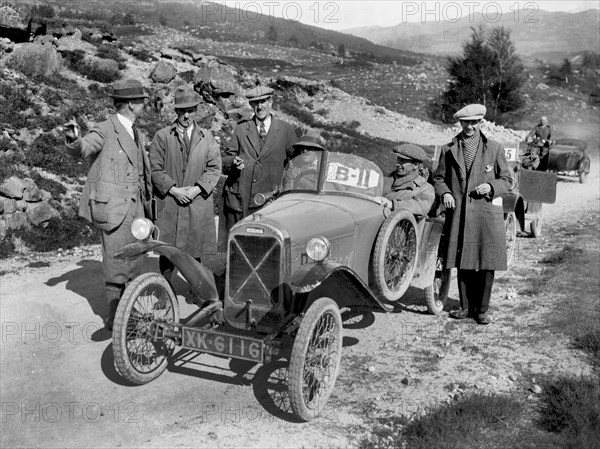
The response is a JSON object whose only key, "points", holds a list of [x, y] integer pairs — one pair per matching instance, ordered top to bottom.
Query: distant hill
{"points": [[218, 21], [534, 33]]}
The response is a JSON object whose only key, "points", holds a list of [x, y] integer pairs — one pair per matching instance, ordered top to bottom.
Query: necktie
{"points": [[262, 131], [136, 136], [470, 145]]}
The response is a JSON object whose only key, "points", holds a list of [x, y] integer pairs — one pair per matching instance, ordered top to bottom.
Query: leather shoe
{"points": [[459, 314], [483, 318]]}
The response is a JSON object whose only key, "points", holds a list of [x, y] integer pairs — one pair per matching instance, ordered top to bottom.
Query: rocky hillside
{"points": [[66, 72]]}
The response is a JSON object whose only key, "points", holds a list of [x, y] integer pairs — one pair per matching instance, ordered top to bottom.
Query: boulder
{"points": [[77, 34], [70, 43], [101, 64], [163, 72], [217, 79], [542, 86], [13, 187], [31, 194], [46, 196], [8, 205], [21, 205], [39, 213], [16, 220], [3, 229]]}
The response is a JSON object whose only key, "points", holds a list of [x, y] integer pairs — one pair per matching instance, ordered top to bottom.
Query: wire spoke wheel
{"points": [[395, 255], [436, 294], [148, 302], [315, 360]]}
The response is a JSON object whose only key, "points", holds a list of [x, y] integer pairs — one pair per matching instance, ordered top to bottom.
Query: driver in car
{"points": [[303, 170], [407, 187]]}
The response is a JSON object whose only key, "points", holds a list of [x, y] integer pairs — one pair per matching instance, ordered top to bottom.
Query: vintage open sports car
{"points": [[565, 156], [325, 241]]}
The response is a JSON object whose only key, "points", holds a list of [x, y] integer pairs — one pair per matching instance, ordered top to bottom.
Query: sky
{"points": [[340, 15]]}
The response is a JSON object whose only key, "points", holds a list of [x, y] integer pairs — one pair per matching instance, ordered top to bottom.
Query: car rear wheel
{"points": [[584, 169], [510, 223], [395, 255], [436, 294], [146, 302], [315, 359]]}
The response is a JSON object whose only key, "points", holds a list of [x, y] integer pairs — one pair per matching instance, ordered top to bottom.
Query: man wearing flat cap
{"points": [[256, 155], [186, 166], [471, 177], [118, 187], [407, 187]]}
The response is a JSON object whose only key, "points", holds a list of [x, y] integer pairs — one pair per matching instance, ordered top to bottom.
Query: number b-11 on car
{"points": [[324, 242]]}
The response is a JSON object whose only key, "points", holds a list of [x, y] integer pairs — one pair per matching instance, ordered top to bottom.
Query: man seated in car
{"points": [[539, 140], [303, 170], [407, 187]]}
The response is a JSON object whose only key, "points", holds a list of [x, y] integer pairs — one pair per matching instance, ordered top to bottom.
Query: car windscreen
{"points": [[302, 172], [352, 174]]}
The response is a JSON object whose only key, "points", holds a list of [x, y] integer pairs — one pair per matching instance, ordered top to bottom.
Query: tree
{"points": [[272, 33], [341, 50], [565, 70], [488, 72]]}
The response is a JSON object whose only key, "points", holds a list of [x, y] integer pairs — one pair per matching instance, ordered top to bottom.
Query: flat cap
{"points": [[128, 89], [258, 93], [471, 112], [410, 151]]}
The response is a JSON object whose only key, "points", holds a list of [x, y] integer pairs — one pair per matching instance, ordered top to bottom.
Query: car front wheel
{"points": [[395, 255], [146, 303], [315, 360]]}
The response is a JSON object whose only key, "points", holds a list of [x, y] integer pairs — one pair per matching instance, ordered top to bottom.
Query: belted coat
{"points": [[263, 162], [113, 180], [189, 227], [475, 236]]}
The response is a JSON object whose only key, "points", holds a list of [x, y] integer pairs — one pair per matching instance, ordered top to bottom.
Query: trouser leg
{"points": [[486, 282], [465, 289], [113, 293]]}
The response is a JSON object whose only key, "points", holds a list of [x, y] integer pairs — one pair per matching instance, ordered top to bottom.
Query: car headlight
{"points": [[142, 228], [318, 249]]}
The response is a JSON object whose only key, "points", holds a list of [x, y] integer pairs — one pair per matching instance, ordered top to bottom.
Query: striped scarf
{"points": [[470, 145]]}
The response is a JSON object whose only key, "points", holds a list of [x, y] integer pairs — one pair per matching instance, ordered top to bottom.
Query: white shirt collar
{"points": [[266, 121], [128, 124]]}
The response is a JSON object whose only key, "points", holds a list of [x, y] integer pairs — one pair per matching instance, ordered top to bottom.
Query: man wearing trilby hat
{"points": [[256, 156], [186, 166], [303, 170], [471, 177], [118, 187]]}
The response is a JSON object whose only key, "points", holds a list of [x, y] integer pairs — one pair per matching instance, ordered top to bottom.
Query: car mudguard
{"points": [[313, 275], [200, 278]]}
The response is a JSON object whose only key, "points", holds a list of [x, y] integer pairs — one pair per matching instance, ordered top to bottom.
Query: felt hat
{"points": [[128, 89], [258, 93], [186, 97], [471, 112], [311, 138], [410, 151]]}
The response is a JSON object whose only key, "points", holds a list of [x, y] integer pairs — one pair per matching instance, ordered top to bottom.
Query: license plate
{"points": [[214, 342]]}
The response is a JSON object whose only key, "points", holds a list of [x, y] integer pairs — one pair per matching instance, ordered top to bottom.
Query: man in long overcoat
{"points": [[256, 156], [186, 166], [470, 179], [118, 188]]}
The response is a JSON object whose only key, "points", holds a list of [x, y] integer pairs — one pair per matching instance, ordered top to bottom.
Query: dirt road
{"points": [[59, 387]]}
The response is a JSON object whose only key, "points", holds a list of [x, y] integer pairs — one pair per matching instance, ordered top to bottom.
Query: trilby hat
{"points": [[128, 89], [258, 93], [186, 97], [471, 112], [311, 138]]}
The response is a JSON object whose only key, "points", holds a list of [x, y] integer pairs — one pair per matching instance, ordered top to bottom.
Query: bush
{"points": [[107, 51], [142, 54], [35, 61], [90, 69], [15, 101], [48, 152], [56, 189], [62, 232], [7, 246]]}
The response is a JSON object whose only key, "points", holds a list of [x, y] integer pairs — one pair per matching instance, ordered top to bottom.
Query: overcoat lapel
{"points": [[272, 136], [253, 138], [125, 140], [459, 160], [477, 162], [194, 164]]}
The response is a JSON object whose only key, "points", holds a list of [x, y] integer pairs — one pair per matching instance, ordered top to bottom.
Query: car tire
{"points": [[584, 169], [510, 224], [536, 227], [395, 255], [436, 294], [148, 299], [315, 359]]}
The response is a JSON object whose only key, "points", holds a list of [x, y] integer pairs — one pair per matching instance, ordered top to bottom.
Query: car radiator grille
{"points": [[254, 270]]}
